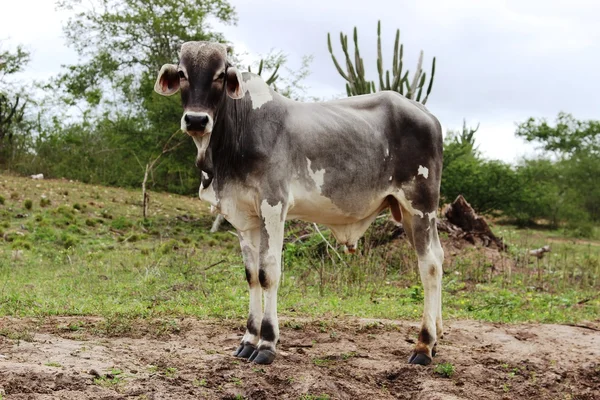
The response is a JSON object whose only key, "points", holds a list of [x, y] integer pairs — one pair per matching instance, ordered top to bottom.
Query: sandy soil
{"points": [[346, 359]]}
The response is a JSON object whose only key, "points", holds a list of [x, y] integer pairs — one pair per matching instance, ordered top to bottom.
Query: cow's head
{"points": [[204, 77]]}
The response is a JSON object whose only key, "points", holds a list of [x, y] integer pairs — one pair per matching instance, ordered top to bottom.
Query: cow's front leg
{"points": [[250, 243], [269, 272]]}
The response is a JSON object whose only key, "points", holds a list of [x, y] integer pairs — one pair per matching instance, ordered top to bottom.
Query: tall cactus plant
{"points": [[272, 78], [399, 81]]}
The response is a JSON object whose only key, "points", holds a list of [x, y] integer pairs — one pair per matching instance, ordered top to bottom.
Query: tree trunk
{"points": [[145, 196]]}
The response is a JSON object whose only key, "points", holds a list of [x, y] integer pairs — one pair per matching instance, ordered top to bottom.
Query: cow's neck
{"points": [[229, 150]]}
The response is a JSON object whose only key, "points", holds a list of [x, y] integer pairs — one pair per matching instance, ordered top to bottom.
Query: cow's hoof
{"points": [[245, 350], [263, 356], [419, 359]]}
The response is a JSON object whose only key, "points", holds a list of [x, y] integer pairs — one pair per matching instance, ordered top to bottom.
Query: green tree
{"points": [[122, 45], [13, 100], [568, 137], [575, 147], [490, 186]]}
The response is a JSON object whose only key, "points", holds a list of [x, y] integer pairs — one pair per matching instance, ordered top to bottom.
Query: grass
{"points": [[88, 252], [53, 364], [446, 370], [112, 380]]}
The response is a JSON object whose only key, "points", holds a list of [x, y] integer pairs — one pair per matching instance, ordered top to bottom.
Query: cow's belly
{"points": [[310, 205]]}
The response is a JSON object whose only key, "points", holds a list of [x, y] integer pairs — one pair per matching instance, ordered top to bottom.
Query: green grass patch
{"points": [[91, 253], [445, 370]]}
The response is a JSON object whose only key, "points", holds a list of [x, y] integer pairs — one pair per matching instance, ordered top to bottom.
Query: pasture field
{"points": [[96, 302]]}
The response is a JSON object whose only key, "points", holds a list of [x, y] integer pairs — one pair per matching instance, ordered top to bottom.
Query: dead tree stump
{"points": [[461, 214]]}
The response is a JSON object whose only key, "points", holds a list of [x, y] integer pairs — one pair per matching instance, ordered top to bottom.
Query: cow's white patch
{"points": [[258, 91], [202, 144], [387, 152], [423, 171], [204, 175], [318, 176], [391, 178], [208, 194], [407, 204], [431, 215], [272, 217]]}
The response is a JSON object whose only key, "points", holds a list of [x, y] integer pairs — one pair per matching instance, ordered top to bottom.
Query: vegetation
{"points": [[399, 81], [13, 102], [100, 121], [559, 189], [103, 259], [446, 370]]}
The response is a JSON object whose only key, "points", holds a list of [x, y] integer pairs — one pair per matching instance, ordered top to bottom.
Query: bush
{"points": [[28, 204]]}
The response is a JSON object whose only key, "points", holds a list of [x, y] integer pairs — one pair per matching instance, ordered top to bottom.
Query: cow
{"points": [[265, 159]]}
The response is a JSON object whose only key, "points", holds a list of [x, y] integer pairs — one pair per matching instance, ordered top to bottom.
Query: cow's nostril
{"points": [[203, 121]]}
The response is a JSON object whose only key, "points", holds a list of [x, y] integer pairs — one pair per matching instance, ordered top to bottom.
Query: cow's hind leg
{"points": [[422, 231], [250, 242], [269, 273]]}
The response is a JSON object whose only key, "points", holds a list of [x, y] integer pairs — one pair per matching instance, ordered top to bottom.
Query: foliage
{"points": [[124, 43], [399, 81], [13, 100], [101, 121], [567, 138], [575, 145], [489, 186], [560, 188], [446, 370]]}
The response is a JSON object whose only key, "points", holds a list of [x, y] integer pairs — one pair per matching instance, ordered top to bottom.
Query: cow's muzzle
{"points": [[196, 123]]}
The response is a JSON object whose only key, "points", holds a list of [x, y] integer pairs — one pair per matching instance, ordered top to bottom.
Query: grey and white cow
{"points": [[266, 159]]}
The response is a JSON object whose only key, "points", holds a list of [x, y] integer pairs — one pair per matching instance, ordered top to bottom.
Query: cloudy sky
{"points": [[498, 62]]}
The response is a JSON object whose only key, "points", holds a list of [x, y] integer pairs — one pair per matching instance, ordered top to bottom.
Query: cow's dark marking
{"points": [[432, 270], [248, 276], [263, 279], [251, 325], [266, 331], [425, 336]]}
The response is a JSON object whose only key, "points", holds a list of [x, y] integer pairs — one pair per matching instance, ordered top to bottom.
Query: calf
{"points": [[266, 159]]}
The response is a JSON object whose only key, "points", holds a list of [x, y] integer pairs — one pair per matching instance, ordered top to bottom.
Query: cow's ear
{"points": [[167, 83], [235, 84]]}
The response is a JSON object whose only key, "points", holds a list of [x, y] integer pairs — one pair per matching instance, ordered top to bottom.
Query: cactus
{"points": [[272, 78], [397, 80]]}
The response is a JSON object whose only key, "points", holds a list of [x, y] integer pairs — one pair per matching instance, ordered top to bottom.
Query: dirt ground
{"points": [[66, 358]]}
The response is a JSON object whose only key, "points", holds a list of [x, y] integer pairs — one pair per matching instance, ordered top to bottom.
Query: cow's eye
{"points": [[181, 74], [221, 76]]}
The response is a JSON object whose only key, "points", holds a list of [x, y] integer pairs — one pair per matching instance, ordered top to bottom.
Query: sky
{"points": [[498, 62]]}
